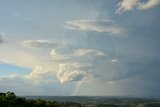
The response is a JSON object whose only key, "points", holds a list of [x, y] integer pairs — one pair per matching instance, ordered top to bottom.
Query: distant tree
{"points": [[2, 94], [10, 95], [9, 99], [20, 100], [40, 102], [52, 104]]}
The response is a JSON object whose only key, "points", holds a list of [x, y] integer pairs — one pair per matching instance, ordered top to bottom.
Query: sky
{"points": [[80, 47]]}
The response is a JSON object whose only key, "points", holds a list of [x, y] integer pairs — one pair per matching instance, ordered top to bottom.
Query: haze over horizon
{"points": [[80, 47]]}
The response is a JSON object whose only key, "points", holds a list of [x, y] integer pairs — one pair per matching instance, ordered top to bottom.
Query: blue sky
{"points": [[58, 47], [7, 69]]}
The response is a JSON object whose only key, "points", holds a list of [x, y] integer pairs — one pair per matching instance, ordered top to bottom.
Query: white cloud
{"points": [[149, 4], [127, 5], [107, 26], [39, 44], [88, 52], [59, 57], [21, 58], [26, 58], [114, 60], [72, 72], [37, 73], [11, 76], [37, 76], [10, 80], [111, 82], [17, 83], [22, 86]]}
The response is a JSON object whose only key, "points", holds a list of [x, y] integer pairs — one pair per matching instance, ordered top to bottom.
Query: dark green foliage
{"points": [[9, 99]]}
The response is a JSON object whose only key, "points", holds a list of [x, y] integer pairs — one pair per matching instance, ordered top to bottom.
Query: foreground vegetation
{"points": [[9, 99]]}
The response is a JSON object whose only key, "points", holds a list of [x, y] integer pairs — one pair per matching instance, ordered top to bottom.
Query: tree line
{"points": [[9, 99]]}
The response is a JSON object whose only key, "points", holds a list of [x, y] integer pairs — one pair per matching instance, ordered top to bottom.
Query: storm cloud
{"points": [[69, 72]]}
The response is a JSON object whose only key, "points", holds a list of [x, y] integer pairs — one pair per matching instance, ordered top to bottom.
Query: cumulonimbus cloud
{"points": [[127, 5], [107, 26], [39, 44], [88, 52], [78, 66], [72, 72]]}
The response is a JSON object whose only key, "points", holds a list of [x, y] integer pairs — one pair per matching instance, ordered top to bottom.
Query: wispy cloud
{"points": [[127, 5], [107, 26], [39, 44], [88, 52], [83, 53], [114, 60], [4, 61], [11, 80]]}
